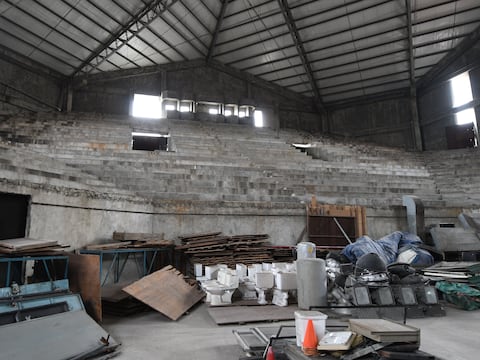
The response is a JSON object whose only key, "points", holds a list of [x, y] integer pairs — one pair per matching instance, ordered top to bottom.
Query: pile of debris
{"points": [[214, 248]]}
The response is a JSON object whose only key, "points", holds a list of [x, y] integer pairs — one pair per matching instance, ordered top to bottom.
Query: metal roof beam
{"points": [[249, 8], [146, 16], [196, 17], [301, 19], [93, 21], [218, 25], [141, 37], [321, 37], [42, 40], [467, 43], [301, 51]]}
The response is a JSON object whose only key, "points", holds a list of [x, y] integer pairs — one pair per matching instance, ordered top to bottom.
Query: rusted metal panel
{"points": [[84, 276], [166, 291]]}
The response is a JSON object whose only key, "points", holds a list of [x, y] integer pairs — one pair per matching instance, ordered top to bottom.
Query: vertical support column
{"points": [[414, 122], [415, 215]]}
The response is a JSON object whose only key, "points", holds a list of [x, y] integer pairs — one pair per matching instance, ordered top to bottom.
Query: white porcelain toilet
{"points": [[264, 281], [285, 282], [247, 289], [220, 291]]}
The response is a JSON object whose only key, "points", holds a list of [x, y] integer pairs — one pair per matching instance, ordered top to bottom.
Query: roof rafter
{"points": [[147, 15], [217, 29], [301, 51], [453, 55]]}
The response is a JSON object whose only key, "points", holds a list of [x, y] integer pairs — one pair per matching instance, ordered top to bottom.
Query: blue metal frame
{"points": [[119, 258], [42, 259]]}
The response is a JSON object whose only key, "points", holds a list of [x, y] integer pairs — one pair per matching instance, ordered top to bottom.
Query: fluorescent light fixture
{"points": [[461, 89], [146, 106], [466, 116], [258, 118], [150, 134], [302, 145]]}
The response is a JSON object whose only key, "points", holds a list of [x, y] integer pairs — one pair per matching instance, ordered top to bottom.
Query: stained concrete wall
{"points": [[25, 85], [112, 93], [435, 101], [384, 122]]}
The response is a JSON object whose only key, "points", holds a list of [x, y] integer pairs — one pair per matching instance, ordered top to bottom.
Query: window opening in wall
{"points": [[461, 89], [146, 106], [170, 107], [184, 108], [213, 111], [228, 113], [241, 114], [466, 116], [258, 118], [463, 134], [149, 141], [13, 215]]}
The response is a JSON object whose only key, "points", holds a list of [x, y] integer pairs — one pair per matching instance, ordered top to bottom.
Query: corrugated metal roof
{"points": [[330, 49]]}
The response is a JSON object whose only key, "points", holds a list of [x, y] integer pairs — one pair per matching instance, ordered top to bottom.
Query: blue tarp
{"points": [[388, 248]]}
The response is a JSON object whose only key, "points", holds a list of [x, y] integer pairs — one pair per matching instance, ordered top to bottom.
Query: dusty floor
{"points": [[151, 335]]}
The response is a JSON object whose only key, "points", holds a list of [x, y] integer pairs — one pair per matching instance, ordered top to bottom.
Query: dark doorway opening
{"points": [[460, 136], [150, 142], [13, 215]]}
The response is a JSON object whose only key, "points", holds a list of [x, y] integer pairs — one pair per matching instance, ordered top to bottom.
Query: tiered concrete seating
{"points": [[215, 162]]}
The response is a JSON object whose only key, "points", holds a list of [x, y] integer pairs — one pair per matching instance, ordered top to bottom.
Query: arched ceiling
{"points": [[331, 50]]}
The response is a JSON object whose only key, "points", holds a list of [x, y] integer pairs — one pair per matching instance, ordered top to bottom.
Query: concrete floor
{"points": [[151, 335]]}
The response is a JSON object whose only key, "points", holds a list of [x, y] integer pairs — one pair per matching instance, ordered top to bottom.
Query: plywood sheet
{"points": [[26, 243], [84, 277], [166, 291], [244, 314], [54, 337]]}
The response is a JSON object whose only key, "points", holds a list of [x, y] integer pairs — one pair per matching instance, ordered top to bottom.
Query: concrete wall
{"points": [[25, 85], [112, 93], [435, 101], [384, 122]]}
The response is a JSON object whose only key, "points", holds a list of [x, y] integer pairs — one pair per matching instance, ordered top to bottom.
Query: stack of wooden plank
{"points": [[124, 240], [27, 246], [215, 248]]}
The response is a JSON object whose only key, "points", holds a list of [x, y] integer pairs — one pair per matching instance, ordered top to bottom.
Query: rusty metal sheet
{"points": [[84, 277], [166, 291], [70, 335]]}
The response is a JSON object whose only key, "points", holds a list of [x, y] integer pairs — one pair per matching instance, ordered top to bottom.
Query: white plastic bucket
{"points": [[306, 250], [301, 319]]}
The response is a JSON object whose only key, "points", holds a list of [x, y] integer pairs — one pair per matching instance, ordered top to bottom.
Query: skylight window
{"points": [[461, 89], [146, 106], [258, 118]]}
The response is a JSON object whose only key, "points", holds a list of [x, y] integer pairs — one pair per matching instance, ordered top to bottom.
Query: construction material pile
{"points": [[125, 240], [215, 248]]}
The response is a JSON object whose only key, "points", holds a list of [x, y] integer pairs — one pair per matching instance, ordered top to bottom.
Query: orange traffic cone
{"points": [[310, 340], [270, 354]]}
